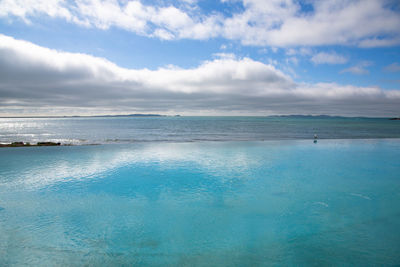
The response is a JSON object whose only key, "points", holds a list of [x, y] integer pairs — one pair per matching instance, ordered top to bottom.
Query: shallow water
{"points": [[191, 129], [336, 202]]}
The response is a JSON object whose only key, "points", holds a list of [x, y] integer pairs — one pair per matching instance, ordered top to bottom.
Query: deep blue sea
{"points": [[167, 192]]}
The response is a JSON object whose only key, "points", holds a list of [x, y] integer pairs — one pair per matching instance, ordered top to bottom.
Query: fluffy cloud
{"points": [[366, 23], [328, 58], [35, 79]]}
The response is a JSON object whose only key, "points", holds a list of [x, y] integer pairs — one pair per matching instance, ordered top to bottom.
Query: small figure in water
{"points": [[315, 138]]}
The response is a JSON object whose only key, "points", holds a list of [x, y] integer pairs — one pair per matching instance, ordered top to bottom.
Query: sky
{"points": [[200, 57]]}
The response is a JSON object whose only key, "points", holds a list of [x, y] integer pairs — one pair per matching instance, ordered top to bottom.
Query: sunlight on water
{"points": [[201, 204]]}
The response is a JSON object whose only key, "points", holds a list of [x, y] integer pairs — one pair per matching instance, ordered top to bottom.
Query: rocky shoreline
{"points": [[27, 144]]}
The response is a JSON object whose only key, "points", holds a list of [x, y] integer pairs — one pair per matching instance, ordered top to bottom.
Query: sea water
{"points": [[106, 130], [263, 203]]}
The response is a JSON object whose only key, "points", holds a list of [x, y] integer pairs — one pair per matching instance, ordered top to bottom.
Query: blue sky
{"points": [[249, 57]]}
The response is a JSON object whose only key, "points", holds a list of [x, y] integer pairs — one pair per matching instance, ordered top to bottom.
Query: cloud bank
{"points": [[279, 23], [38, 80]]}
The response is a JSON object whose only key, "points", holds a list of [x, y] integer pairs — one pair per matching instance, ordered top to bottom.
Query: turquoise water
{"points": [[191, 129], [278, 203]]}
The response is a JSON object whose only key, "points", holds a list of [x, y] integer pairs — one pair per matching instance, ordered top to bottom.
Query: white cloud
{"points": [[32, 8], [277, 23], [281, 23], [163, 34], [374, 42], [274, 49], [304, 51], [291, 52], [225, 55], [328, 58], [293, 60], [394, 67], [359, 69], [356, 70], [35, 79]]}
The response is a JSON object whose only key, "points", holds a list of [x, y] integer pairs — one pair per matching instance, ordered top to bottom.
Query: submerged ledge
{"points": [[27, 144]]}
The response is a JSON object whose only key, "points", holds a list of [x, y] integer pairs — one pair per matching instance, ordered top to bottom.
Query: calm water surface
{"points": [[191, 129], [292, 203]]}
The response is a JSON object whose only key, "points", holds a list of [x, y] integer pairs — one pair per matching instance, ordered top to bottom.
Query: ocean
{"points": [[106, 130], [198, 191]]}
